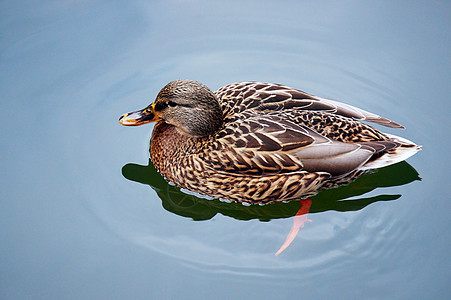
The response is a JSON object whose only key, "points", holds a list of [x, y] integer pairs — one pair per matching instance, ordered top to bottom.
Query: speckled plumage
{"points": [[274, 143]]}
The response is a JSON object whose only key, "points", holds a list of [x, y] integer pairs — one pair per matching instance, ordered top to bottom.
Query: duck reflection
{"points": [[347, 197], [191, 206]]}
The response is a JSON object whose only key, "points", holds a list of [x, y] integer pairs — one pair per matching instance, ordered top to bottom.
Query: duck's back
{"points": [[269, 97], [273, 128]]}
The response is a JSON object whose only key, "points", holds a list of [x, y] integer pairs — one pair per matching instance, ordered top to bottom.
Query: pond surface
{"points": [[85, 215]]}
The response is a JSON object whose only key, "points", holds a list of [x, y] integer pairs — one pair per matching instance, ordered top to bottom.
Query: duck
{"points": [[259, 143]]}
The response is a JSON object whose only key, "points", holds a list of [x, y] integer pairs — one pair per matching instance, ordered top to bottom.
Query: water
{"points": [[80, 218]]}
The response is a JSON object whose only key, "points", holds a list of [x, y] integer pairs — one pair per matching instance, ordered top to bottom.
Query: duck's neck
{"points": [[169, 147]]}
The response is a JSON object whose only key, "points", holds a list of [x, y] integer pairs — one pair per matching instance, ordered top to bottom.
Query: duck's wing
{"points": [[267, 97], [265, 144]]}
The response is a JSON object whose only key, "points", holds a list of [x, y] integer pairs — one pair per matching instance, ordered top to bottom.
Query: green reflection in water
{"points": [[197, 208]]}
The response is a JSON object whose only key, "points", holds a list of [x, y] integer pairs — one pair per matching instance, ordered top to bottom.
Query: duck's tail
{"points": [[395, 155]]}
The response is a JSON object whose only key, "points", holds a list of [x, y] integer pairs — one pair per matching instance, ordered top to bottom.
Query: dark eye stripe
{"points": [[184, 104], [163, 105], [160, 106]]}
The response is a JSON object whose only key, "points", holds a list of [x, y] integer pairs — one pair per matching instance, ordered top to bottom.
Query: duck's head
{"points": [[186, 104]]}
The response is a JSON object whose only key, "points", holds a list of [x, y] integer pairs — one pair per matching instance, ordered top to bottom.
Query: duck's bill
{"points": [[139, 117]]}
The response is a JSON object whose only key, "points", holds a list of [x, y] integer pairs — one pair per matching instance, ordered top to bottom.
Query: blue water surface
{"points": [[79, 220]]}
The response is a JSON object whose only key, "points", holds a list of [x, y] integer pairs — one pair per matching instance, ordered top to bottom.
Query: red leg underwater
{"points": [[298, 222]]}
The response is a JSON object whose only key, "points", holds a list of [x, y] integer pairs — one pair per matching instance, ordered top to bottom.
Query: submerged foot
{"points": [[298, 222]]}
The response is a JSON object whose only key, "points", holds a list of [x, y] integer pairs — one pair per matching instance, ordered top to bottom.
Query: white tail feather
{"points": [[395, 156]]}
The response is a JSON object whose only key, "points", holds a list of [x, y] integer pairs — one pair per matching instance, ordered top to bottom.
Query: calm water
{"points": [[83, 213]]}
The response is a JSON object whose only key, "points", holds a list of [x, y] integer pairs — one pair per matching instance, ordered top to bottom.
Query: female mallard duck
{"points": [[259, 142]]}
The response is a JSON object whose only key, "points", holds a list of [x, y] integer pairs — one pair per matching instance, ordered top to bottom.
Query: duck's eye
{"points": [[172, 104]]}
